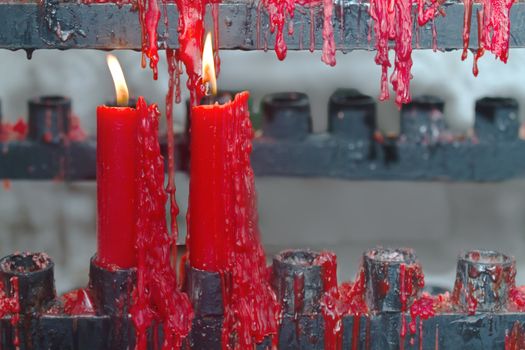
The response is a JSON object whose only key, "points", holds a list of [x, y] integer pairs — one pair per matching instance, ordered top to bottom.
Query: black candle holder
{"points": [[297, 280]]}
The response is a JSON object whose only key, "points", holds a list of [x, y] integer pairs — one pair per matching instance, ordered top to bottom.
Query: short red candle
{"points": [[116, 186], [210, 196]]}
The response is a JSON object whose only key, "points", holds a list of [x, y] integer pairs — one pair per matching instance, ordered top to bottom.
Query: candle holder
{"points": [[352, 115], [286, 116], [49, 119], [497, 119], [422, 120], [35, 275], [393, 279], [298, 281], [483, 281], [205, 291]]}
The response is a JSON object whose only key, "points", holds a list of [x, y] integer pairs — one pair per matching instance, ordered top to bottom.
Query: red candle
{"points": [[116, 180]]}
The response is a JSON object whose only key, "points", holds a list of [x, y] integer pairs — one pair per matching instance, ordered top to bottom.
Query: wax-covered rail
{"points": [[70, 25], [352, 148], [484, 310]]}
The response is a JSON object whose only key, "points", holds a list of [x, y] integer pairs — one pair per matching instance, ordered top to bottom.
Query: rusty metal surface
{"points": [[67, 25]]}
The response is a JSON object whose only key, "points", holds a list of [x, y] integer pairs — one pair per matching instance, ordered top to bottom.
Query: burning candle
{"points": [[116, 185], [210, 198]]}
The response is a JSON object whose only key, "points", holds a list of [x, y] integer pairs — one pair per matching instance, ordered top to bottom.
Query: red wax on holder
{"points": [[116, 188]]}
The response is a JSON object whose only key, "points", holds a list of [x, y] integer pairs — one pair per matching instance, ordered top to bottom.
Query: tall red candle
{"points": [[116, 183], [208, 243]]}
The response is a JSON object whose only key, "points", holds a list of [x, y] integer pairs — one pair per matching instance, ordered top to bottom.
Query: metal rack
{"points": [[31, 26]]}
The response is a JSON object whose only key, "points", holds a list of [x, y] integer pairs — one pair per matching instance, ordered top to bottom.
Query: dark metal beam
{"points": [[107, 26]]}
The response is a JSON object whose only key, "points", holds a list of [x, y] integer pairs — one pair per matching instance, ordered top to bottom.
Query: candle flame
{"points": [[208, 67], [121, 88]]}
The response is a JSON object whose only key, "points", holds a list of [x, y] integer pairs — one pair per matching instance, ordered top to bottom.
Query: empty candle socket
{"points": [[351, 115], [286, 116], [49, 119], [497, 119], [422, 120], [393, 279], [298, 281], [483, 281], [36, 282]]}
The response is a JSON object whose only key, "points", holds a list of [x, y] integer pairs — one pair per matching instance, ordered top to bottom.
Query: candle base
{"points": [[111, 288], [205, 290]]}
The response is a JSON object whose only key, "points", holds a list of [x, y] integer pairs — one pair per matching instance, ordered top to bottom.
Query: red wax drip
{"points": [[279, 10], [149, 16], [467, 19], [393, 22], [493, 29], [191, 35], [328, 56], [13, 132], [76, 132], [171, 188], [328, 263], [411, 280], [298, 289], [403, 298], [517, 298], [156, 299], [347, 299], [78, 302], [10, 305], [251, 308], [421, 309], [515, 340]]}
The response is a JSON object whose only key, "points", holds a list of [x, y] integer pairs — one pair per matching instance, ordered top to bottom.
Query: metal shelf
{"points": [[108, 26]]}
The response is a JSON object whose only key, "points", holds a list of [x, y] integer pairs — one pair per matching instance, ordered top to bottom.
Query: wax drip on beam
{"points": [[279, 10], [149, 16], [393, 22], [493, 30], [156, 298]]}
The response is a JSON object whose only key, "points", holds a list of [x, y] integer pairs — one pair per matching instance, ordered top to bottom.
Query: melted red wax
{"points": [[279, 10], [149, 16], [467, 19], [393, 22], [493, 29], [191, 36], [13, 132], [76, 132], [6, 184], [170, 187], [411, 280], [298, 289], [156, 299], [347, 299], [517, 299], [78, 302], [10, 305], [251, 308], [421, 309], [515, 340]]}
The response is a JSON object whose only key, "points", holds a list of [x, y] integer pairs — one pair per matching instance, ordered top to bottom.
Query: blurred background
{"points": [[437, 219]]}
